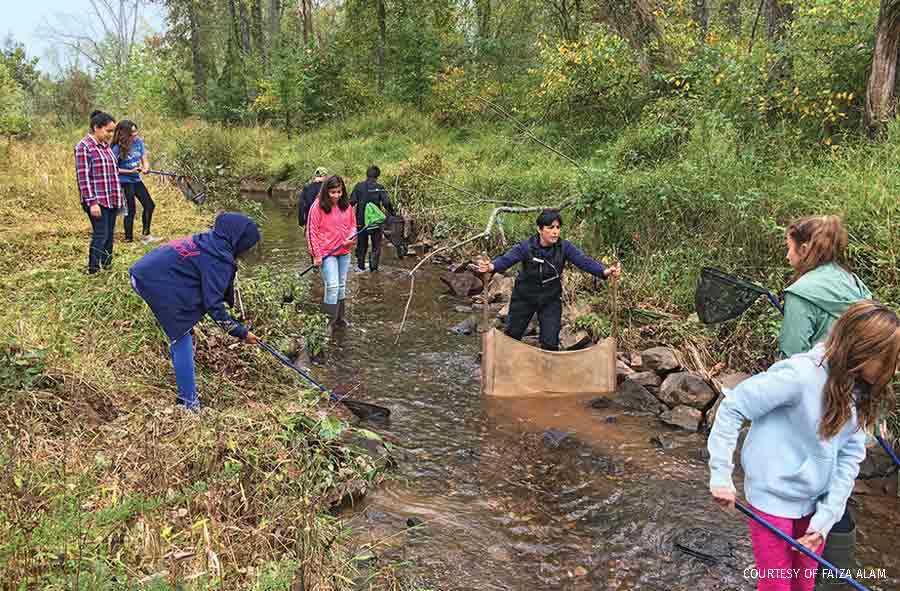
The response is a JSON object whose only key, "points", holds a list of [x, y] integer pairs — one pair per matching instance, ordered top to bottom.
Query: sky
{"points": [[24, 19]]}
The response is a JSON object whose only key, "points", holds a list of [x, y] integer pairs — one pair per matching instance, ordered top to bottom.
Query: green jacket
{"points": [[813, 303], [811, 306]]}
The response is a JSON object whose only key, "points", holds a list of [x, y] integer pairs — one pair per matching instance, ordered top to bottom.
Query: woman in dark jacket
{"points": [[189, 277]]}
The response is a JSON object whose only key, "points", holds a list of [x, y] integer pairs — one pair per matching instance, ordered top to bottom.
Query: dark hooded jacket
{"points": [[369, 191], [307, 197], [192, 276]]}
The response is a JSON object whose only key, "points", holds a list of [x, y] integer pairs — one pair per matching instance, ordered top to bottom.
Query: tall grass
{"points": [[106, 483]]}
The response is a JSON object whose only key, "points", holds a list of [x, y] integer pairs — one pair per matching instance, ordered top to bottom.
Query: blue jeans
{"points": [[101, 247], [334, 275], [182, 352]]}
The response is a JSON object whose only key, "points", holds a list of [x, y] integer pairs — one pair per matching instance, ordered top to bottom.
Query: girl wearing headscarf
{"points": [[189, 277]]}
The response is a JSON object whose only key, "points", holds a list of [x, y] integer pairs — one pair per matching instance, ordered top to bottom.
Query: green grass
{"points": [[103, 476]]}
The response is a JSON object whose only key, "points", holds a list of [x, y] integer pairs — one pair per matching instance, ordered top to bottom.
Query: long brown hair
{"points": [[122, 137], [325, 201], [826, 241], [867, 331]]}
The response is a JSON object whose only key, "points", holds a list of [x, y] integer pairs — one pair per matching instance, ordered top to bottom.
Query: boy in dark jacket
{"points": [[369, 191], [308, 195], [189, 277], [538, 287]]}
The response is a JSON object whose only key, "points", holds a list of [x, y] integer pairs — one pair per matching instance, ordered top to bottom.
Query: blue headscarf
{"points": [[231, 235], [192, 276]]}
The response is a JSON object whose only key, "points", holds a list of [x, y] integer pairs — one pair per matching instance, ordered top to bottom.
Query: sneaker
{"points": [[150, 238], [359, 270]]}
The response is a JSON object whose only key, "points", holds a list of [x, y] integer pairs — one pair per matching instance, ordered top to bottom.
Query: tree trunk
{"points": [[732, 9], [483, 11], [301, 16], [778, 16], [701, 17], [274, 19], [635, 21], [235, 24], [245, 26], [259, 39], [382, 41], [196, 54], [880, 102]]}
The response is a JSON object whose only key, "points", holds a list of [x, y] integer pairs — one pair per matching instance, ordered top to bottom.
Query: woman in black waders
{"points": [[538, 286]]}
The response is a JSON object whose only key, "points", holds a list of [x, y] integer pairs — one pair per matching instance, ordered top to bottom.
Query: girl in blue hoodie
{"points": [[189, 277], [807, 438]]}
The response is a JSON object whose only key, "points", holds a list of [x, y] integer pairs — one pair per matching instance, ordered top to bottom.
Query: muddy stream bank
{"points": [[526, 494]]}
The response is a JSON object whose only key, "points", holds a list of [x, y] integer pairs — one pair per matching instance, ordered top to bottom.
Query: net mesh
{"points": [[192, 189], [394, 229], [720, 297]]}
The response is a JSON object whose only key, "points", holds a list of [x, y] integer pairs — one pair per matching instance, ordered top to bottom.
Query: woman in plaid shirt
{"points": [[98, 185]]}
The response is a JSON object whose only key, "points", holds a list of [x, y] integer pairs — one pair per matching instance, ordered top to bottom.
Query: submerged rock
{"points": [[466, 327], [684, 417], [674, 440], [709, 547]]}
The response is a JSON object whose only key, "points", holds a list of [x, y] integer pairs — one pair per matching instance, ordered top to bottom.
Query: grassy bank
{"points": [[106, 484]]}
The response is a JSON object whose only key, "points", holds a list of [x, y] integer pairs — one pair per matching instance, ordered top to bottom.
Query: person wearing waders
{"points": [[365, 192], [189, 277], [538, 287], [822, 289]]}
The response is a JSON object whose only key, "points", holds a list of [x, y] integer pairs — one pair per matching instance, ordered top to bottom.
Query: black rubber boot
{"points": [[373, 261], [331, 312], [340, 321], [839, 551]]}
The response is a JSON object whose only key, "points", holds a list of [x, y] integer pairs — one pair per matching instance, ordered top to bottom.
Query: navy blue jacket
{"points": [[369, 191], [307, 197], [521, 252], [192, 276]]}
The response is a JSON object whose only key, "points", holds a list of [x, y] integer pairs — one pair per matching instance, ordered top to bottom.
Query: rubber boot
{"points": [[373, 262], [331, 312], [340, 321], [839, 551]]}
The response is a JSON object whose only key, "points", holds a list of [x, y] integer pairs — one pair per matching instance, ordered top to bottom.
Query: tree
{"points": [[732, 10], [567, 15], [778, 16], [701, 17], [636, 22], [105, 36], [382, 41], [197, 52], [22, 68], [880, 101], [13, 117]]}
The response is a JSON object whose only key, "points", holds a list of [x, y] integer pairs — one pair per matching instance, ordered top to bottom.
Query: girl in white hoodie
{"points": [[807, 438]]}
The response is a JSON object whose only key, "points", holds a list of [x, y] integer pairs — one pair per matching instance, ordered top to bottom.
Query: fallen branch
{"points": [[495, 214]]}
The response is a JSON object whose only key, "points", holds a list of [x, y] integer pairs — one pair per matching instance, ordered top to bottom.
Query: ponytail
{"points": [[826, 240]]}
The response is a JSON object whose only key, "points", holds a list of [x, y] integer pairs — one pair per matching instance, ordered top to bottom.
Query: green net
{"points": [[374, 216]]}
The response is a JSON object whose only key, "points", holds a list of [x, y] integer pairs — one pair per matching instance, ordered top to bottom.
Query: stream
{"points": [[526, 494]]}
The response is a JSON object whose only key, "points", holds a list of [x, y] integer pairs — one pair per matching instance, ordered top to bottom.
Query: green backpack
{"points": [[374, 215]]}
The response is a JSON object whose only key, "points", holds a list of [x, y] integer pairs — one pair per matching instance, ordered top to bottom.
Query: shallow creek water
{"points": [[503, 504]]}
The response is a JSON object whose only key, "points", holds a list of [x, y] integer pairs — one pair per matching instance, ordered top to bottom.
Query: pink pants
{"points": [[778, 566]]}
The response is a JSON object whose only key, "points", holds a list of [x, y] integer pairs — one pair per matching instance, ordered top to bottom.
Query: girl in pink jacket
{"points": [[332, 225]]}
